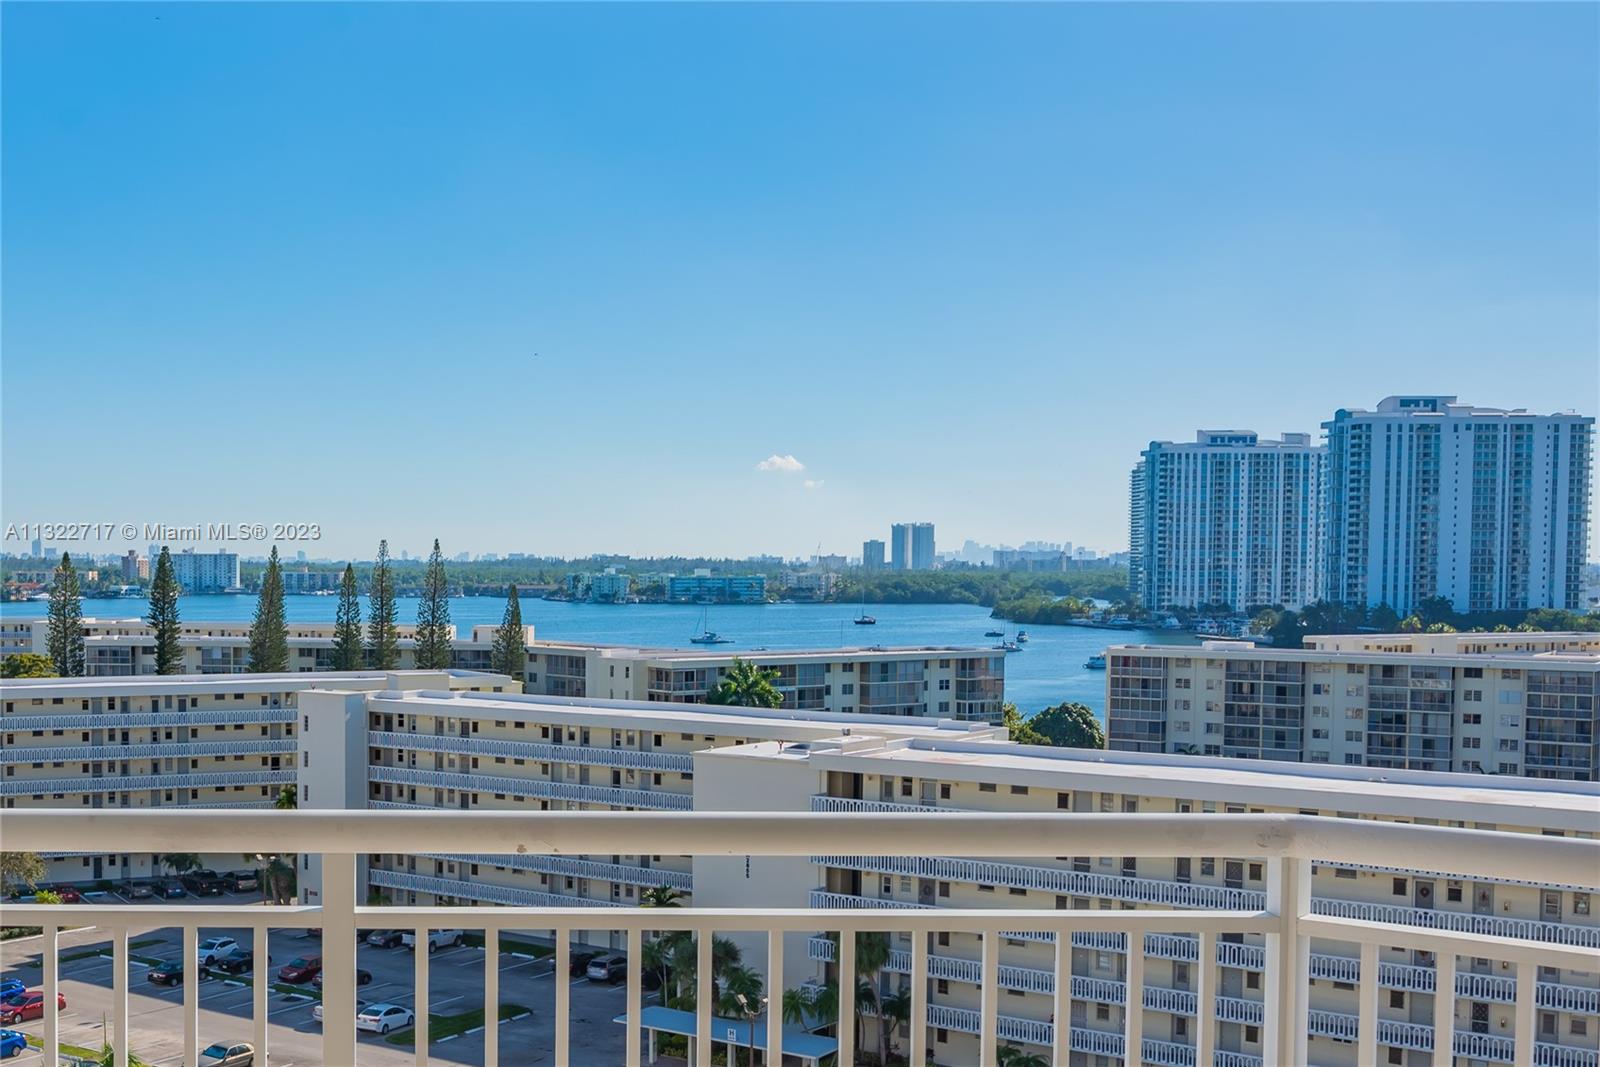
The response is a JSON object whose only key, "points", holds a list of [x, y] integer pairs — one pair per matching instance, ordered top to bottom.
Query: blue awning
{"points": [[807, 1046]]}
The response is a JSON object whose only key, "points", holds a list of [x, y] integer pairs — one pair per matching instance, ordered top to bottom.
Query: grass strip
{"points": [[441, 1026]]}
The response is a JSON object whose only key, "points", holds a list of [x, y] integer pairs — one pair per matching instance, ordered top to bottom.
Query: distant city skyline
{"points": [[727, 280]]}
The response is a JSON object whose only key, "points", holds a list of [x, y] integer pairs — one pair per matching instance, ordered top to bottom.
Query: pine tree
{"points": [[433, 616], [163, 617], [66, 621], [269, 633], [383, 641], [347, 651], [509, 653]]}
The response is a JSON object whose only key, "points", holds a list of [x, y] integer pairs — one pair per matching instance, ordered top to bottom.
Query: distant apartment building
{"points": [[1486, 507], [1228, 518], [911, 546], [872, 558], [1031, 559], [134, 568], [205, 572], [305, 580], [809, 585], [604, 587], [706, 588], [918, 682], [1478, 703], [166, 741], [493, 752], [866, 774]]}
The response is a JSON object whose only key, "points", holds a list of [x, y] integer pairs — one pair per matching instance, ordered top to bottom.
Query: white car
{"points": [[437, 939], [214, 948], [384, 1017]]}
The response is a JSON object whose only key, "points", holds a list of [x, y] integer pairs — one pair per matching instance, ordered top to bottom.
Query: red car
{"points": [[69, 895], [300, 969], [27, 1006]]}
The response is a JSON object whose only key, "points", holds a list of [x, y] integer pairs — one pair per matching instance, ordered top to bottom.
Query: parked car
{"points": [[241, 881], [203, 883], [138, 890], [173, 890], [68, 894], [385, 938], [437, 939], [213, 948], [236, 960], [578, 961], [300, 969], [611, 969], [167, 972], [363, 976], [12, 985], [28, 1006], [316, 1010], [384, 1017], [12, 1043], [239, 1054]]}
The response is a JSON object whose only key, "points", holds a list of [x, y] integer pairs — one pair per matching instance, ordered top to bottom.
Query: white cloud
{"points": [[786, 464], [813, 483]]}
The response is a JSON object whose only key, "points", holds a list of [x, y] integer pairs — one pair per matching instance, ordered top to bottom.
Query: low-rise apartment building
{"points": [[928, 681], [938, 681], [1509, 704], [165, 741], [499, 752], [873, 774]]}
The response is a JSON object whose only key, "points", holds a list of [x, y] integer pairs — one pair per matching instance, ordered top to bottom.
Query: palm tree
{"points": [[746, 685], [286, 800], [661, 896], [660, 952], [872, 956], [799, 1007], [894, 1011], [107, 1056], [1012, 1056]]}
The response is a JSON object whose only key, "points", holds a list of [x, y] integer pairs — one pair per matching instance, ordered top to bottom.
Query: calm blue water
{"points": [[1048, 670]]}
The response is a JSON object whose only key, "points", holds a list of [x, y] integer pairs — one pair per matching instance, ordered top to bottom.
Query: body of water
{"points": [[1049, 669]]}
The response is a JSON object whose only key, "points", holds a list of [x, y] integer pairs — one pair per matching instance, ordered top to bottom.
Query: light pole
{"points": [[751, 1010]]}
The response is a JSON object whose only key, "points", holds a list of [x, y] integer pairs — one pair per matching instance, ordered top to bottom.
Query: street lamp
{"points": [[751, 1010]]}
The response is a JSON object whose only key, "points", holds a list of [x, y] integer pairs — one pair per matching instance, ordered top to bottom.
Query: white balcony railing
{"points": [[123, 720], [244, 746], [536, 751], [474, 782], [128, 783], [1286, 924]]}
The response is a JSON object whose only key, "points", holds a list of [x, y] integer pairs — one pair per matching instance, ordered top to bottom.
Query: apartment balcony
{"points": [[122, 720], [244, 746], [537, 751], [473, 782], [124, 783], [565, 867], [1285, 923]]}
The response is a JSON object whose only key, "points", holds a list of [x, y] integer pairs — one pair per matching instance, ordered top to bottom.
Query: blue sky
{"points": [[558, 278]]}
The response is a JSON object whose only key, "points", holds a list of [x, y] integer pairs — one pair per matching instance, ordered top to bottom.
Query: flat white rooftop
{"points": [[667, 717], [1500, 799]]}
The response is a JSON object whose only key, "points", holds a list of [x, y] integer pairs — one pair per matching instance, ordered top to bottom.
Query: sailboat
{"points": [[864, 619], [708, 636]]}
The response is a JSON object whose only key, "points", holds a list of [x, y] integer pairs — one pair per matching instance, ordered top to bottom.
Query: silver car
{"points": [[238, 1054]]}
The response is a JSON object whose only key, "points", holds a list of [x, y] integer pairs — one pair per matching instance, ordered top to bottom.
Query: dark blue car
{"points": [[11, 985]]}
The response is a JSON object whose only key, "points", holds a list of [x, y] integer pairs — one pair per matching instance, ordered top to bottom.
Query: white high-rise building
{"points": [[1486, 507], [1226, 519], [205, 572]]}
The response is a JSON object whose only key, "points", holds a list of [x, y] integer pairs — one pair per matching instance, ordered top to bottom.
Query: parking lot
{"points": [[294, 1037]]}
